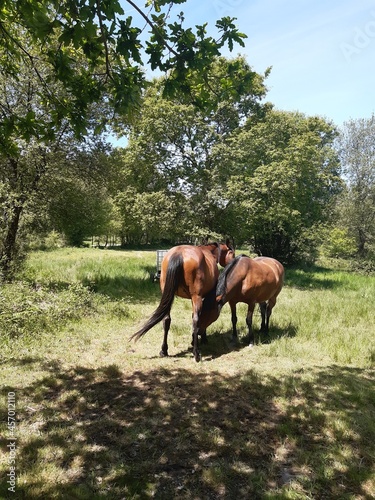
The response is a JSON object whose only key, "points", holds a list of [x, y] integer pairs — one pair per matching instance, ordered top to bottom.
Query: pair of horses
{"points": [[191, 272]]}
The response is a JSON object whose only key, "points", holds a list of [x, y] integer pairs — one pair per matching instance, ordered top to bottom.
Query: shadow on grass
{"points": [[312, 278], [134, 289], [220, 343], [101, 433]]}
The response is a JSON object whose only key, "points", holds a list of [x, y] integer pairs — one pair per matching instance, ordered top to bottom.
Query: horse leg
{"points": [[270, 306], [197, 307], [263, 312], [249, 322], [234, 323], [166, 326], [203, 335]]}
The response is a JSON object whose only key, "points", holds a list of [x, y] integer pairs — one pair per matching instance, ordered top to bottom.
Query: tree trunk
{"points": [[9, 247]]}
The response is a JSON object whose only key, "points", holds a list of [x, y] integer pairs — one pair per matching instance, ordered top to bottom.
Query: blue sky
{"points": [[322, 52]]}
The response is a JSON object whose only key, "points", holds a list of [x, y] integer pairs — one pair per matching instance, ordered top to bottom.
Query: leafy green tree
{"points": [[93, 51], [66, 70], [175, 146], [29, 165], [285, 172], [262, 176], [19, 184], [357, 205], [79, 210], [149, 217], [337, 242]]}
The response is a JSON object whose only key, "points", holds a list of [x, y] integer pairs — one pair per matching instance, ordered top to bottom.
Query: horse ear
{"points": [[229, 244]]}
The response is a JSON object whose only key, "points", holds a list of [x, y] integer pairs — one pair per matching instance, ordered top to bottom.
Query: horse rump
{"points": [[173, 279]]}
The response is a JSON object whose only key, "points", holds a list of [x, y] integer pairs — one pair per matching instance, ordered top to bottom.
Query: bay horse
{"points": [[190, 272], [252, 281]]}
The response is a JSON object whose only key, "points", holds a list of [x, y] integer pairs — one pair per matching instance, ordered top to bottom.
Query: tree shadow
{"points": [[311, 278], [137, 290], [221, 343], [166, 433]]}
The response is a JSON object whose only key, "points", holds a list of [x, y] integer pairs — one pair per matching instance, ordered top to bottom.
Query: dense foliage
{"points": [[95, 53], [70, 70], [206, 155], [260, 176], [356, 207]]}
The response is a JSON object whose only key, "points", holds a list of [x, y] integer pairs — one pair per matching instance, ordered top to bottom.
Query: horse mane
{"points": [[218, 247], [222, 282]]}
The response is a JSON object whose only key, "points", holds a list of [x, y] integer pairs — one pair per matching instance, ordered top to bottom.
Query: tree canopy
{"points": [[83, 52], [68, 71], [174, 147], [206, 154], [245, 170], [285, 173], [356, 208]]}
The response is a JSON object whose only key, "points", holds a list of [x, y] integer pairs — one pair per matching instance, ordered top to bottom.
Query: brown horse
{"points": [[190, 272], [252, 281]]}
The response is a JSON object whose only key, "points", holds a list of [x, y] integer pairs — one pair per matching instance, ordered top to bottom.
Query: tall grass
{"points": [[99, 417]]}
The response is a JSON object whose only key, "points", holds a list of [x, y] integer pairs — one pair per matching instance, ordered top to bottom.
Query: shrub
{"points": [[338, 243], [27, 310]]}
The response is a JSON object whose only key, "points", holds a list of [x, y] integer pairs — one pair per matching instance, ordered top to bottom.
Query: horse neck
{"points": [[215, 249], [223, 257]]}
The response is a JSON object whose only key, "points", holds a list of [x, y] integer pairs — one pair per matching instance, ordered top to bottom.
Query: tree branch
{"points": [[153, 27], [103, 32]]}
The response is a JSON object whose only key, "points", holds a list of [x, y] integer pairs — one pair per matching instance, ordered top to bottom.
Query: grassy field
{"points": [[98, 417]]}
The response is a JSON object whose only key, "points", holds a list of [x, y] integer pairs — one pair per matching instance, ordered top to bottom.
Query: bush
{"points": [[48, 241], [337, 243], [363, 266], [27, 310]]}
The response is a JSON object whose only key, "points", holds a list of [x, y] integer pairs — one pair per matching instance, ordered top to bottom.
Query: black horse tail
{"points": [[172, 281]]}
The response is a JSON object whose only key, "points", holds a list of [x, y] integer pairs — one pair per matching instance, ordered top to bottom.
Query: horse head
{"points": [[223, 252], [226, 253]]}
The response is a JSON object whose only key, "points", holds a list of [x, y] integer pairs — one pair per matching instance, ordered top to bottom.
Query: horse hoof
{"points": [[163, 354], [198, 357]]}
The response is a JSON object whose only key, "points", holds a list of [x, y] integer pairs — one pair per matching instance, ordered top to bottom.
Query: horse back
{"points": [[272, 268], [200, 271], [257, 280]]}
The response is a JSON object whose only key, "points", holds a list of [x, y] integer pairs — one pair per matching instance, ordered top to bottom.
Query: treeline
{"points": [[216, 160]]}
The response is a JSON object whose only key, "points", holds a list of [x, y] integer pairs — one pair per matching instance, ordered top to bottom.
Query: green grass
{"points": [[101, 418]]}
